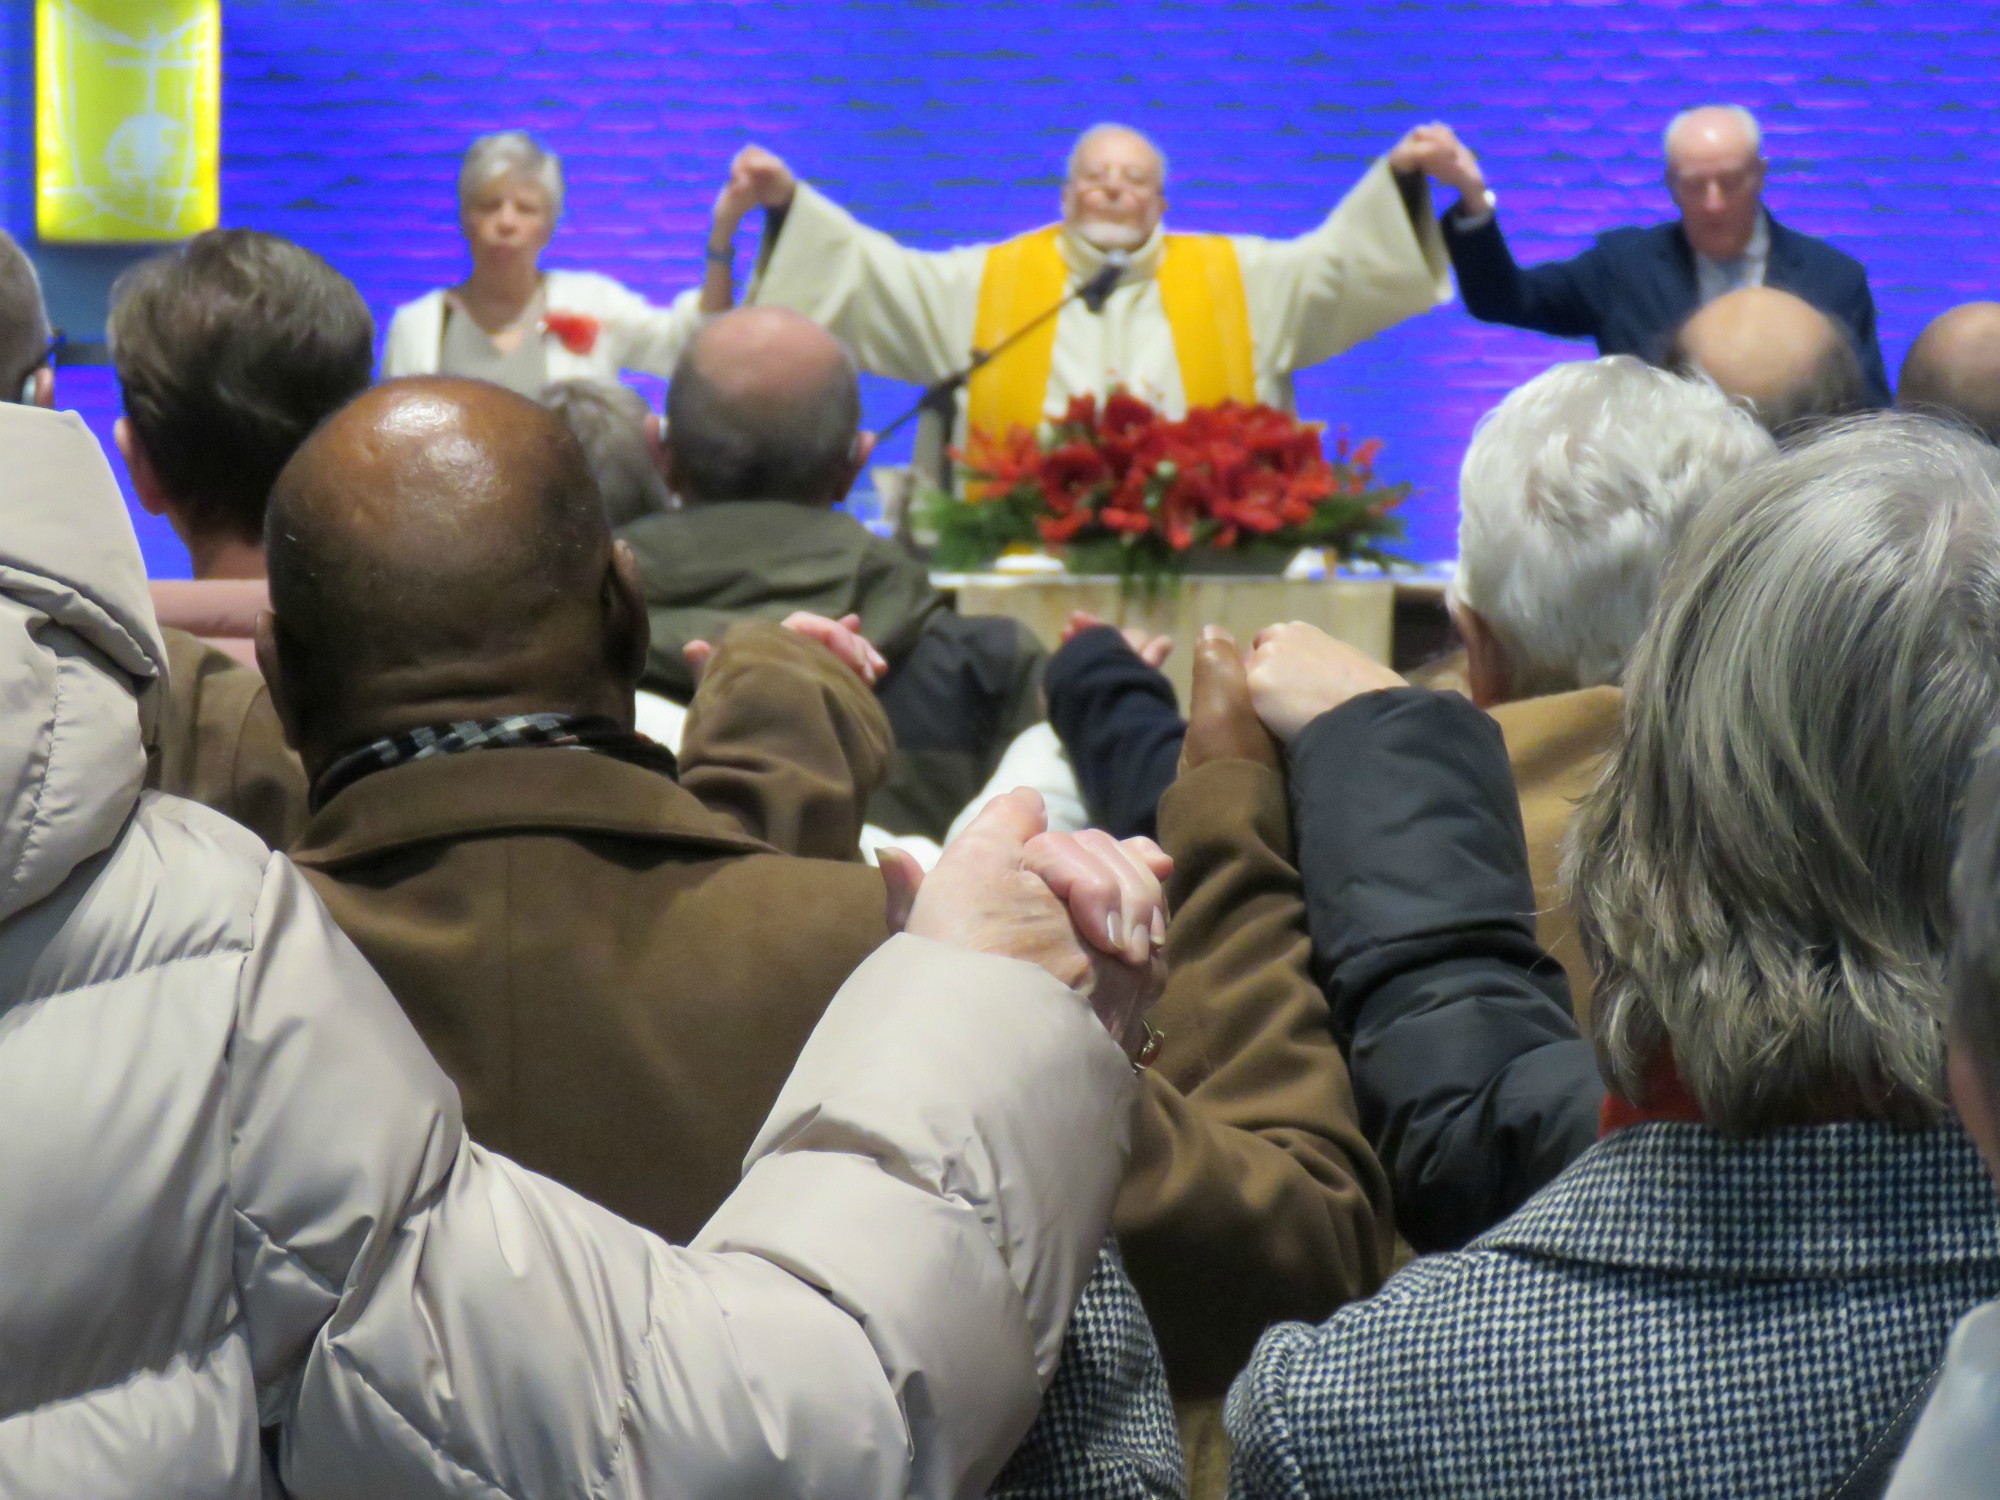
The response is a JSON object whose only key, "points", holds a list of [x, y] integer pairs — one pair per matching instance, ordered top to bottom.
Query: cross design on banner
{"points": [[142, 176]]}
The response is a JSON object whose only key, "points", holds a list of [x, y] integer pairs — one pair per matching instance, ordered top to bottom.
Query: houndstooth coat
{"points": [[1678, 1313], [1106, 1428]]}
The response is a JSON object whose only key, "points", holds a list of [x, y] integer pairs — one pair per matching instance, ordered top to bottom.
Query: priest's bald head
{"points": [[1115, 192], [1790, 362], [1954, 368], [764, 405]]}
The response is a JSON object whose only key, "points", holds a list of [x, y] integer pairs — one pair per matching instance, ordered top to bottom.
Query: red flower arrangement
{"points": [[576, 332], [1121, 489]]}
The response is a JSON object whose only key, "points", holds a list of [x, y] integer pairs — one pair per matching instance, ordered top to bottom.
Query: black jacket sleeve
{"points": [[1555, 298], [1860, 316], [955, 701], [1119, 724], [1473, 1085]]}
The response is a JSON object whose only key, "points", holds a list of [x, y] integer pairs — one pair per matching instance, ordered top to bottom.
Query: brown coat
{"points": [[219, 742], [785, 742], [1557, 745], [617, 978], [1252, 1195]]}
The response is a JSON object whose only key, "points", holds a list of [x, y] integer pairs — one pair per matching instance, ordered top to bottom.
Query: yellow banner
{"points": [[128, 118]]}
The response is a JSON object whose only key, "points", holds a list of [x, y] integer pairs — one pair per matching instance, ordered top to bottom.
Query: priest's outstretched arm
{"points": [[1376, 260], [908, 314]]}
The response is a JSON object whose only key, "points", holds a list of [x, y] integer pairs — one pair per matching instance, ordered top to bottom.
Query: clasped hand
{"points": [[1438, 153], [756, 179], [842, 637], [1084, 907]]}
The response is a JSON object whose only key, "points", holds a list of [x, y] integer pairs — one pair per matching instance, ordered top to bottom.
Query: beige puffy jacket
{"points": [[237, 1194]]}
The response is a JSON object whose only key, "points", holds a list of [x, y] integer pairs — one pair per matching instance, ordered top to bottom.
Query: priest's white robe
{"points": [[911, 314]]}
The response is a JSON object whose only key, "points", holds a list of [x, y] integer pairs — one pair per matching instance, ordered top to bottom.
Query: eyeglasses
{"points": [[48, 361]]}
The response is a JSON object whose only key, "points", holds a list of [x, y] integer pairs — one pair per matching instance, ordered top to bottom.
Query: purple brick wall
{"points": [[939, 122]]}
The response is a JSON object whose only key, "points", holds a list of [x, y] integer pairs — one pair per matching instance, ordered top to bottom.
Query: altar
{"points": [[1360, 611]]}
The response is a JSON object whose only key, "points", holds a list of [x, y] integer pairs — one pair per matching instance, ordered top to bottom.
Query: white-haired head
{"points": [[1705, 113], [1104, 128], [511, 153], [1715, 171], [1114, 194], [1571, 493]]}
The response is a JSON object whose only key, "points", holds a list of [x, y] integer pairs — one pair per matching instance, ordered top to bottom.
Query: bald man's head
{"points": [[1792, 363], [1953, 368], [764, 405], [437, 551]]}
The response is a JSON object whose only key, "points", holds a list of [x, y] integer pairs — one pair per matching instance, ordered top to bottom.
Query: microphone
{"points": [[1095, 292], [941, 395]]}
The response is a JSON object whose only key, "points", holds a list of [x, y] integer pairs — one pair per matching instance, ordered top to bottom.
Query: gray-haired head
{"points": [[1703, 114], [1112, 127], [511, 153], [24, 319], [764, 405], [610, 422], [1571, 492], [1761, 878], [1975, 959]]}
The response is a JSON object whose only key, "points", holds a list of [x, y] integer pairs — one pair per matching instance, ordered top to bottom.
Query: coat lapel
{"points": [[1677, 257], [1783, 267]]}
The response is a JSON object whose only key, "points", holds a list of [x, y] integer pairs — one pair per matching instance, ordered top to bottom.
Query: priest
{"points": [[1194, 319]]}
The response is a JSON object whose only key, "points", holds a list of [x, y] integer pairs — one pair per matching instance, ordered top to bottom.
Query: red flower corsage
{"points": [[576, 331]]}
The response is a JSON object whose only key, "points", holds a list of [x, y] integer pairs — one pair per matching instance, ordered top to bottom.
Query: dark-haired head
{"points": [[230, 349]]}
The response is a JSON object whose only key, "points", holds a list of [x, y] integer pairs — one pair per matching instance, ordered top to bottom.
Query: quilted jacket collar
{"points": [[80, 656], [1823, 1200]]}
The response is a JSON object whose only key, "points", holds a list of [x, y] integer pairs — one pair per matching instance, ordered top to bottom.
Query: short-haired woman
{"points": [[517, 325], [1742, 1288]]}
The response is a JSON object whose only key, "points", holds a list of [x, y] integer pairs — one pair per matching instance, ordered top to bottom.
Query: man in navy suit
{"points": [[1634, 287]]}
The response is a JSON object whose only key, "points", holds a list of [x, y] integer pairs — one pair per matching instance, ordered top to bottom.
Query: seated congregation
{"points": [[474, 1024]]}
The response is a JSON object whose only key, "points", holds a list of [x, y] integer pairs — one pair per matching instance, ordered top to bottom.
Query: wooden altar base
{"points": [[1359, 611]]}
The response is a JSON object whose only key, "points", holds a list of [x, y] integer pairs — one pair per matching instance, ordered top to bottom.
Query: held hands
{"points": [[1439, 154], [757, 179], [842, 637], [1153, 650], [1298, 672], [1222, 719], [1083, 907]]}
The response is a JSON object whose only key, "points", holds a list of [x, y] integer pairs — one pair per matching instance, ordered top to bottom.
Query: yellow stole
{"points": [[1201, 288]]}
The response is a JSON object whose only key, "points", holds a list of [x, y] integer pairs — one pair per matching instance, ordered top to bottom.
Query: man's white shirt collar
{"points": [[1084, 259], [1717, 277]]}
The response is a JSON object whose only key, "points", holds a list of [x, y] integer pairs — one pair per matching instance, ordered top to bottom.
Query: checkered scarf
{"points": [[516, 732]]}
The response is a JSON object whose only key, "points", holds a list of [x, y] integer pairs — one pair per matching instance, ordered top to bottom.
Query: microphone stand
{"points": [[941, 396]]}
